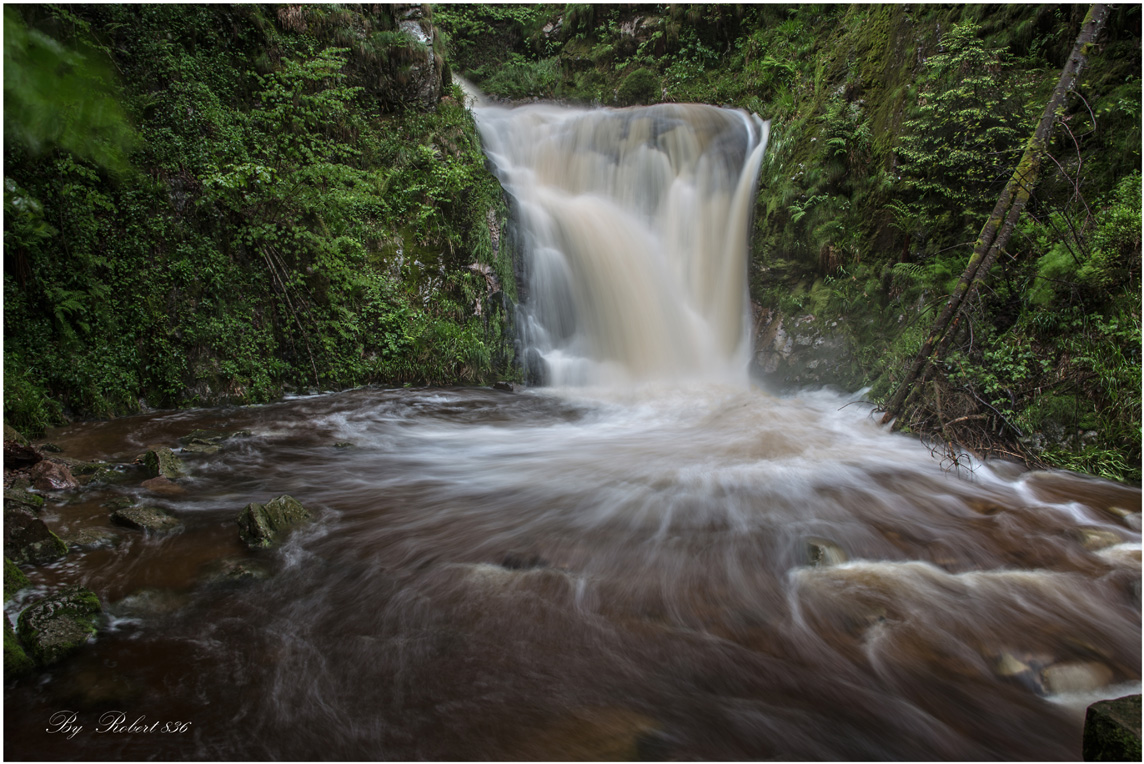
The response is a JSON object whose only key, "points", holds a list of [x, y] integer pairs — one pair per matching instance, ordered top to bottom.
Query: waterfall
{"points": [[635, 225]]}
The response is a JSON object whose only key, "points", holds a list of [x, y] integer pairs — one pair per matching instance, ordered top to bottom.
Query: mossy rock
{"points": [[639, 87], [11, 433], [162, 462], [23, 498], [150, 519], [263, 525], [28, 540], [14, 579], [60, 624], [16, 660], [1112, 730]]}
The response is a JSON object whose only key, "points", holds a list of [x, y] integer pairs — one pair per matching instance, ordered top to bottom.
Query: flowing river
{"points": [[646, 558]]}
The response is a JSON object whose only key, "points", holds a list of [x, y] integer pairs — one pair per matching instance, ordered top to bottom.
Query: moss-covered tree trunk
{"points": [[999, 227]]}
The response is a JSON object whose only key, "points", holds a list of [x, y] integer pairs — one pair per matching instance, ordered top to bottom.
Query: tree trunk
{"points": [[999, 227]]}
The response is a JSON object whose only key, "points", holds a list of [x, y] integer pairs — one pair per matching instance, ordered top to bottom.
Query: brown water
{"points": [[566, 573]]}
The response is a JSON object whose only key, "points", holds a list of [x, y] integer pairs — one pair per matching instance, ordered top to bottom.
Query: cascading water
{"points": [[635, 226], [651, 560]]}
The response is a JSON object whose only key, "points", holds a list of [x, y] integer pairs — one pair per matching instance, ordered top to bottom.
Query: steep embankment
{"points": [[893, 130], [223, 203]]}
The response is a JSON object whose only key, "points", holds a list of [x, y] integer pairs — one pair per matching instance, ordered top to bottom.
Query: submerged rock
{"points": [[162, 462], [163, 486], [119, 502], [150, 519], [261, 525], [90, 538], [28, 540], [822, 552], [235, 571], [14, 579], [150, 602], [60, 624], [16, 660], [1076, 676], [1112, 730], [593, 734]]}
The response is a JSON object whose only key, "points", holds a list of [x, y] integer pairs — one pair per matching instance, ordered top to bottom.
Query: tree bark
{"points": [[999, 227]]}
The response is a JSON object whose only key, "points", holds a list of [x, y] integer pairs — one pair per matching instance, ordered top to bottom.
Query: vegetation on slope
{"points": [[222, 203]]}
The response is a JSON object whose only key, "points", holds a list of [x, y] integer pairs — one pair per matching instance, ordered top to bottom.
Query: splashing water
{"points": [[650, 559]]}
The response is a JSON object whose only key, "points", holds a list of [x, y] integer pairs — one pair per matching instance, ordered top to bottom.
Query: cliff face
{"points": [[893, 130], [223, 203]]}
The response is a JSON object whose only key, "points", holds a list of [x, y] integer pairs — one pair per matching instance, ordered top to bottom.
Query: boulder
{"points": [[162, 462], [52, 476], [25, 499], [119, 502], [149, 519], [262, 525], [28, 540], [14, 579], [59, 624], [16, 660], [1112, 730]]}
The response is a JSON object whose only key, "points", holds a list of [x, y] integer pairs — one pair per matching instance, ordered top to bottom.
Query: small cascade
{"points": [[635, 229]]}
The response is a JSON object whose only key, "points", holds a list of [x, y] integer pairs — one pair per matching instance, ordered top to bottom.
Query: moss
{"points": [[162, 462], [263, 525], [14, 579], [60, 624], [16, 660]]}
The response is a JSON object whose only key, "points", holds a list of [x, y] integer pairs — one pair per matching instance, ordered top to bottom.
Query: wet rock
{"points": [[508, 386], [209, 441], [345, 444], [201, 447], [50, 448], [18, 455], [162, 462], [52, 476], [163, 486], [25, 499], [149, 519], [262, 525], [91, 538], [28, 540], [822, 552], [235, 571], [14, 579], [60, 624], [16, 660], [1075, 676], [1112, 730]]}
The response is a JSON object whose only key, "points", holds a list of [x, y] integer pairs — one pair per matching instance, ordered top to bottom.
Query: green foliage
{"points": [[639, 87], [61, 93], [968, 131], [260, 247]]}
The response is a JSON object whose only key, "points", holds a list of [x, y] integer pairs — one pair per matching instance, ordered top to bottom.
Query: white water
{"points": [[636, 228]]}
